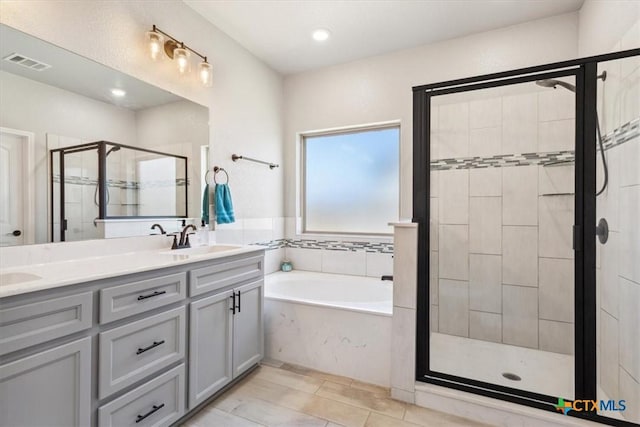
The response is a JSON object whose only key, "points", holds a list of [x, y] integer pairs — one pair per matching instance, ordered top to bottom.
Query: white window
{"points": [[350, 180]]}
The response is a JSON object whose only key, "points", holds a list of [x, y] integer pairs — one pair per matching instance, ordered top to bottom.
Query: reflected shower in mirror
{"points": [[52, 99], [131, 183]]}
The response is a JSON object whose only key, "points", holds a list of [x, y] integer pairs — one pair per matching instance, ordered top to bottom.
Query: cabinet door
{"points": [[210, 332], [248, 335], [51, 388]]}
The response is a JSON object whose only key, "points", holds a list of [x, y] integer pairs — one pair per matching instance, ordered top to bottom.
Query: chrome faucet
{"points": [[184, 238]]}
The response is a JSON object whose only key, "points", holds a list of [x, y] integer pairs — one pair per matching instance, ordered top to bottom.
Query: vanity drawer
{"points": [[225, 274], [125, 300], [29, 324], [131, 352], [160, 402]]}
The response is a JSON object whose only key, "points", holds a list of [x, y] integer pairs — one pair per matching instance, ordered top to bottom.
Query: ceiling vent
{"points": [[24, 61]]}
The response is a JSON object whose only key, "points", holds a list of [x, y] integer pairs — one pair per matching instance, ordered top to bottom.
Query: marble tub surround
{"points": [[63, 264], [330, 331], [282, 394]]}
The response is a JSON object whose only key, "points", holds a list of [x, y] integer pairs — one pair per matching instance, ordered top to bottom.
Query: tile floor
{"points": [[282, 395]]}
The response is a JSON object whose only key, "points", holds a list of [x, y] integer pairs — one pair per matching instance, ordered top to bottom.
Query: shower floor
{"points": [[540, 371]]}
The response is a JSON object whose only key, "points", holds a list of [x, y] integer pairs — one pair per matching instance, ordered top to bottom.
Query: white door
{"points": [[11, 189]]}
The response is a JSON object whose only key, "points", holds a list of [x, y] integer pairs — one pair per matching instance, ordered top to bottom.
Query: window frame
{"points": [[301, 205]]}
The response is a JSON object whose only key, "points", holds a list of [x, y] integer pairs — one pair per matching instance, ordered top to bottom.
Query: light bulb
{"points": [[320, 35], [155, 44], [181, 56], [205, 73], [118, 93]]}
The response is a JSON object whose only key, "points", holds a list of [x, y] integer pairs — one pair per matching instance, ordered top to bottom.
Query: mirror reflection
{"points": [[55, 104]]}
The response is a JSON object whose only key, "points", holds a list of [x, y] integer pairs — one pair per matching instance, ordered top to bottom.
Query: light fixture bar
{"points": [[178, 42]]}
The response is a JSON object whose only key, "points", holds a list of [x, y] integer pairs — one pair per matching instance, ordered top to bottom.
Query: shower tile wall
{"points": [[501, 257], [618, 270]]}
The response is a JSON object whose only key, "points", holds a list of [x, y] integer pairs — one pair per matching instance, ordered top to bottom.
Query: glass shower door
{"points": [[502, 211], [618, 246]]}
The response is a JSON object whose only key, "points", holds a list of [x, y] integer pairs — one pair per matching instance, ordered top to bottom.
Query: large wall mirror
{"points": [[147, 146]]}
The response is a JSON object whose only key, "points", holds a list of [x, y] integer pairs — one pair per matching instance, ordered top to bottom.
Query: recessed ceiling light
{"points": [[321, 35], [118, 93]]}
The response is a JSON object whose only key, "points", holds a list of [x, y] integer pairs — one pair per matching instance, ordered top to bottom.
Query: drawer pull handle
{"points": [[155, 294], [239, 301], [155, 344], [155, 409]]}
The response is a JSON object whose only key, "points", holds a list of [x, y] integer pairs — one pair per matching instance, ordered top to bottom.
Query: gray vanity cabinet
{"points": [[248, 337], [225, 339], [210, 346], [132, 350], [50, 388]]}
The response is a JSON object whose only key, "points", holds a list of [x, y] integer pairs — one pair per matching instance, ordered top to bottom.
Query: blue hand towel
{"points": [[205, 205], [224, 207]]}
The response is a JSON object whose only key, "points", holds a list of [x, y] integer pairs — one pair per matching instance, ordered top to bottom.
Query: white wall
{"points": [[602, 24], [379, 88], [245, 101], [44, 109]]}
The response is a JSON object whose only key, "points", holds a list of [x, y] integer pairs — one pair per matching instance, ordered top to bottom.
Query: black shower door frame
{"points": [[584, 233]]}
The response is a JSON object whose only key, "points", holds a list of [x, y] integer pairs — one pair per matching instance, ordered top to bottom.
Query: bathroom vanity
{"points": [[143, 345]]}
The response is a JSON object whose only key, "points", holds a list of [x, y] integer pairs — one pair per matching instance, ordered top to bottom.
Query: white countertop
{"points": [[69, 272]]}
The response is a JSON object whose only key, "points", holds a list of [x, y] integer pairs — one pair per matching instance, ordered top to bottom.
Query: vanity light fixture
{"points": [[180, 53]]}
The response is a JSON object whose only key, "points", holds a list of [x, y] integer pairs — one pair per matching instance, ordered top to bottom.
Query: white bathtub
{"points": [[365, 294], [330, 322]]}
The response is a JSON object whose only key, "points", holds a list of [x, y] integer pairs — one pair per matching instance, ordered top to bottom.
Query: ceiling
{"points": [[279, 31], [76, 73]]}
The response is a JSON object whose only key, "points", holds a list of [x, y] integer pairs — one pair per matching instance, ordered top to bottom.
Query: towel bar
{"points": [[236, 157]]}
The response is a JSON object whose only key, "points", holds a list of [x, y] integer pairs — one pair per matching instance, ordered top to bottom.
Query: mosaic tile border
{"points": [[624, 133], [129, 185], [331, 245]]}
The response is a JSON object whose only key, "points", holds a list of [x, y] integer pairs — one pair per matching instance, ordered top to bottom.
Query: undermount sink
{"points": [[202, 250], [15, 278]]}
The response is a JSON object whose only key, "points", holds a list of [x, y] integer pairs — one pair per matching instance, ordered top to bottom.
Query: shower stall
{"points": [[101, 181], [527, 199]]}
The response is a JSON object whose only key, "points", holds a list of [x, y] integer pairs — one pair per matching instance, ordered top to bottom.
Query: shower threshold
{"points": [[539, 371]]}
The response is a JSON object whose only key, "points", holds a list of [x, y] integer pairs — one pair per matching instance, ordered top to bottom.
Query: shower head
{"points": [[554, 83], [112, 149]]}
